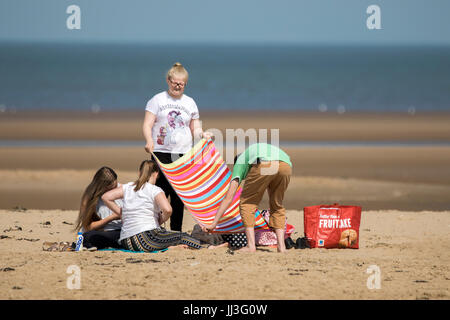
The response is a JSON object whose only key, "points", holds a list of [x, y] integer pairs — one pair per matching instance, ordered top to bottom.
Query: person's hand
{"points": [[207, 135], [149, 146], [116, 216], [160, 218], [209, 228]]}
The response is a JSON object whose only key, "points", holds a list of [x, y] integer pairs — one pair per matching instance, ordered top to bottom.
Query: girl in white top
{"points": [[171, 121], [145, 208], [100, 226]]}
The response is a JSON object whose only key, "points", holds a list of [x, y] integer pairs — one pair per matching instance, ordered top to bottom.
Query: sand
{"points": [[293, 126], [399, 178], [62, 189], [404, 192], [410, 248]]}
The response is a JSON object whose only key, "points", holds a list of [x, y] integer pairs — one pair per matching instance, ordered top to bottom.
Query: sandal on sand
{"points": [[50, 246], [55, 246], [65, 246]]}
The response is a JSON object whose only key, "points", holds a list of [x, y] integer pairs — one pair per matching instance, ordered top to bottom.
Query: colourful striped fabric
{"points": [[201, 179]]}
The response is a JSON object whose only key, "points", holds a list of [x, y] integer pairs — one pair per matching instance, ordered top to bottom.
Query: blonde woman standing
{"points": [[171, 123]]}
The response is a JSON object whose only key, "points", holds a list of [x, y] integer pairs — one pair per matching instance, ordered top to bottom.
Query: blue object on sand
{"points": [[125, 250]]}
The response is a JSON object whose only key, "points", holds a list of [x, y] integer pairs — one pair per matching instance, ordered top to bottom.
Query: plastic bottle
{"points": [[79, 243]]}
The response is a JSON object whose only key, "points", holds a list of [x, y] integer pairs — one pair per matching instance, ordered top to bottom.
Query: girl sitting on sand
{"points": [[145, 208], [100, 226]]}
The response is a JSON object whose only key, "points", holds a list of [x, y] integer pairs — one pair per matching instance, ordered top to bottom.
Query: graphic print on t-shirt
{"points": [[173, 130]]}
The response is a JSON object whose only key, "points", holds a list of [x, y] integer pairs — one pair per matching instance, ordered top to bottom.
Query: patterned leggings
{"points": [[158, 239]]}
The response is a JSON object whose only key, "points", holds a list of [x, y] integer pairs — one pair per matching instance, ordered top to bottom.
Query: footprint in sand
{"points": [[16, 228], [7, 269]]}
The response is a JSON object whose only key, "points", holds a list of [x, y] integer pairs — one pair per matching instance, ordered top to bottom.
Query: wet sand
{"points": [[293, 126], [402, 178], [62, 189]]}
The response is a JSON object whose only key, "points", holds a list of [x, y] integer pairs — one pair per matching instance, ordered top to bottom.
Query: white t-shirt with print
{"points": [[171, 132], [139, 212]]}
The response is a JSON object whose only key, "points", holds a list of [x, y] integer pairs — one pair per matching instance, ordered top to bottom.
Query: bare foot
{"points": [[183, 246], [218, 246], [213, 247], [247, 249]]}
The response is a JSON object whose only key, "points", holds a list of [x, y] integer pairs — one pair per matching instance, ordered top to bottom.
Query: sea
{"points": [[103, 77]]}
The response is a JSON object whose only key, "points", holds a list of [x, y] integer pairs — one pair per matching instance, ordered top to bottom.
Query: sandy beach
{"points": [[357, 95], [403, 190], [410, 248]]}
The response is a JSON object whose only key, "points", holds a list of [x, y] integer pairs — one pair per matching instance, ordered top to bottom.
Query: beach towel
{"points": [[201, 179]]}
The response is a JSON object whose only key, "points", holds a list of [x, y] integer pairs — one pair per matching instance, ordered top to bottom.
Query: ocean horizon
{"points": [[326, 78]]}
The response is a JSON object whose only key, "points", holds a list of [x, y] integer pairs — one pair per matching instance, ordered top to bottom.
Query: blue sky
{"points": [[228, 21]]}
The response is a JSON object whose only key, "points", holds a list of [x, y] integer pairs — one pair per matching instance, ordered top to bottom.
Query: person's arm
{"points": [[149, 121], [197, 131], [234, 184], [108, 198], [164, 205], [106, 216], [95, 225]]}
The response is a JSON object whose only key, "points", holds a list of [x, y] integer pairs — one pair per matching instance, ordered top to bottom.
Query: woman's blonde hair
{"points": [[178, 70], [146, 169], [102, 181]]}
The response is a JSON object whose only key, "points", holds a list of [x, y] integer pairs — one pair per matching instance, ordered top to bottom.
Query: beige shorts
{"points": [[256, 183]]}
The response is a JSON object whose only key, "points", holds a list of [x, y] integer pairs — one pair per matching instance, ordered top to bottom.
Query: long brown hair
{"points": [[146, 169], [102, 181]]}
